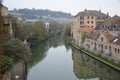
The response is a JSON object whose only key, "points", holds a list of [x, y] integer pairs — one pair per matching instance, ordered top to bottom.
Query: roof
{"points": [[92, 13], [116, 16], [113, 20], [86, 29], [93, 35], [108, 36], [116, 40]]}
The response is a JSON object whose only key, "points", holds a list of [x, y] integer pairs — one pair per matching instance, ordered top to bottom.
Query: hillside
{"points": [[39, 13]]}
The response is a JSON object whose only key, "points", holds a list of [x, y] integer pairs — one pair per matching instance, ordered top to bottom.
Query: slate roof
{"points": [[92, 13], [113, 20], [93, 35], [108, 36], [115, 40]]}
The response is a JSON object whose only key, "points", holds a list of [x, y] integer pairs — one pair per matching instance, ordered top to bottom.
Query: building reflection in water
{"points": [[88, 68]]}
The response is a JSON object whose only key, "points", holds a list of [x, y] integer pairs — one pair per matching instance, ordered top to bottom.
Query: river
{"points": [[54, 60]]}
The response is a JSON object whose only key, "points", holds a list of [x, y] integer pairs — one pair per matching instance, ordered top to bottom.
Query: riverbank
{"points": [[98, 57], [17, 73]]}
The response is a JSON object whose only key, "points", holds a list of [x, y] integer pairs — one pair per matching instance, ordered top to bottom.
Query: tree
{"points": [[67, 33], [16, 50], [7, 64]]}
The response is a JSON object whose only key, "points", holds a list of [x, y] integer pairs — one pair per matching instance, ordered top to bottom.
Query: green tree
{"points": [[56, 29], [33, 32], [67, 33], [83, 36], [16, 50], [7, 64]]}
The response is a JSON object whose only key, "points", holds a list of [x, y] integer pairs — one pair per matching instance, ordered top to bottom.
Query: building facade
{"points": [[87, 18], [103, 39]]}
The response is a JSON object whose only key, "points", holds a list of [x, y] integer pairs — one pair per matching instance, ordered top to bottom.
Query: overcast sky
{"points": [[70, 6]]}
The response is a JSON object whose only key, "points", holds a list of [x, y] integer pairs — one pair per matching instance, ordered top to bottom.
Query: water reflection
{"points": [[39, 50], [38, 54], [57, 63], [88, 68]]}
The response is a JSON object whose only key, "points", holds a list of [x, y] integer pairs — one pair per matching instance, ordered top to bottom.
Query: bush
{"points": [[16, 50], [7, 64]]}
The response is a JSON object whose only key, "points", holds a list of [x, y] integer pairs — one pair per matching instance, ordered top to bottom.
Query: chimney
{"points": [[85, 9], [100, 10], [107, 13]]}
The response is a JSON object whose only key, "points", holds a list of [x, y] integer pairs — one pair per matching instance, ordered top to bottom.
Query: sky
{"points": [[69, 6]]}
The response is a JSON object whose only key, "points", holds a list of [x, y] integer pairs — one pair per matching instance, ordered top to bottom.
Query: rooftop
{"points": [[92, 13], [113, 20], [86, 29], [116, 40]]}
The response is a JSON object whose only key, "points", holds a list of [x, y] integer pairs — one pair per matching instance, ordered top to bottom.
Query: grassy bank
{"points": [[98, 57]]}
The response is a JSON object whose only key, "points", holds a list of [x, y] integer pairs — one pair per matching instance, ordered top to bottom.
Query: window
{"points": [[81, 17], [88, 17], [92, 17], [98, 17], [81, 22], [88, 22], [92, 22], [115, 26], [102, 39], [91, 43], [99, 45], [105, 47], [110, 48], [115, 50], [118, 51]]}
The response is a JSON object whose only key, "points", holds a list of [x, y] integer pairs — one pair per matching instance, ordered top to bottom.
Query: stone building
{"points": [[87, 18], [102, 33], [105, 40]]}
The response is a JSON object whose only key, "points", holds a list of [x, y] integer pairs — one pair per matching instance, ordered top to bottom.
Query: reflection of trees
{"points": [[55, 41], [67, 45], [38, 51], [86, 67]]}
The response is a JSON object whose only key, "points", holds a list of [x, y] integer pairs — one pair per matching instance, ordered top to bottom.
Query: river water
{"points": [[54, 60]]}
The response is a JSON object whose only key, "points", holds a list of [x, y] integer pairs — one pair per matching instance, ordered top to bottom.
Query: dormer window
{"points": [[81, 17], [92, 17], [114, 26]]}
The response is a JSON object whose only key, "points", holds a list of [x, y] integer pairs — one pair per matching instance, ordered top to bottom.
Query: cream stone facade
{"points": [[87, 18]]}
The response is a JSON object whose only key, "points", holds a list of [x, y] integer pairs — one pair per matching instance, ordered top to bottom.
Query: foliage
{"points": [[55, 29], [33, 32], [37, 32], [67, 33], [83, 36], [16, 50], [38, 51], [7, 64]]}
